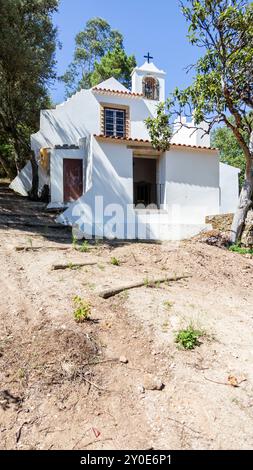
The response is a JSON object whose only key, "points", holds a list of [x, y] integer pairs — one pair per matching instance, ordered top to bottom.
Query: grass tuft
{"points": [[85, 247], [241, 250]]}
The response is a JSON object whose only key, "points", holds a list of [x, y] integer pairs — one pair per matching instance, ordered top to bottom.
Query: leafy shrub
{"points": [[115, 261], [82, 311], [189, 337]]}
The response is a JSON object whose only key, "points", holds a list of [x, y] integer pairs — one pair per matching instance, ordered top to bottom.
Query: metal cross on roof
{"points": [[148, 56]]}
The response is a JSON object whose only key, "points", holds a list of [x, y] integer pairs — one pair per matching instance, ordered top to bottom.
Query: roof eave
{"points": [[125, 94], [147, 143]]}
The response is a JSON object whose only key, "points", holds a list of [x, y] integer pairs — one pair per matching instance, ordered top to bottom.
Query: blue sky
{"points": [[155, 26]]}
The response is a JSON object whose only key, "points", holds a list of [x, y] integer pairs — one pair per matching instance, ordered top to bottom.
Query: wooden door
{"points": [[72, 179]]}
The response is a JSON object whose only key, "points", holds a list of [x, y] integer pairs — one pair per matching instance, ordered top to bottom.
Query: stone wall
{"points": [[221, 222]]}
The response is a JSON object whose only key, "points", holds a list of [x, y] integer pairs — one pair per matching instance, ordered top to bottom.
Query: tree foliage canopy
{"points": [[27, 47], [99, 54], [115, 63], [223, 83], [222, 88], [159, 129]]}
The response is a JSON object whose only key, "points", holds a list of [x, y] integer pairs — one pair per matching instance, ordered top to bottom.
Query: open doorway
{"points": [[144, 181]]}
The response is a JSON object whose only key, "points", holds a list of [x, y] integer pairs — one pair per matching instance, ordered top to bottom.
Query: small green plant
{"points": [[74, 242], [84, 247], [241, 250], [115, 261], [73, 266], [146, 282], [150, 283], [124, 295], [168, 304], [82, 310], [165, 327], [189, 337], [21, 373]]}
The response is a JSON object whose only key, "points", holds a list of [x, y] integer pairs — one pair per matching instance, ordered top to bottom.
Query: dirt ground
{"points": [[65, 385]]}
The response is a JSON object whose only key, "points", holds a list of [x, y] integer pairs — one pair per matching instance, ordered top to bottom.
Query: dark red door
{"points": [[72, 179]]}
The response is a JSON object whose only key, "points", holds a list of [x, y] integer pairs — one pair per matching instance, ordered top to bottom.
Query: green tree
{"points": [[91, 45], [27, 60], [114, 63], [222, 89], [159, 128], [230, 151], [7, 164]]}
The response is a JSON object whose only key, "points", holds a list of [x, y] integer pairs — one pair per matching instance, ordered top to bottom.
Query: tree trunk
{"points": [[16, 160], [5, 167], [33, 193], [245, 200]]}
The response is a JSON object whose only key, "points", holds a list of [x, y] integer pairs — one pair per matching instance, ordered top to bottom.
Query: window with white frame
{"points": [[114, 122]]}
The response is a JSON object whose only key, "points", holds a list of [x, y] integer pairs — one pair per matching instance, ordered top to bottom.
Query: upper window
{"points": [[150, 88], [115, 122]]}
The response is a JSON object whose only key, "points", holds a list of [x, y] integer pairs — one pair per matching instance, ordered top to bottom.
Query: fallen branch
{"points": [[41, 248], [70, 265], [107, 293], [116, 359], [215, 381], [236, 384], [95, 385], [184, 425], [18, 433], [89, 443]]}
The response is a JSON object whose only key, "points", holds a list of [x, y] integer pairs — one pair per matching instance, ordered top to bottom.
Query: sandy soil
{"points": [[63, 385]]}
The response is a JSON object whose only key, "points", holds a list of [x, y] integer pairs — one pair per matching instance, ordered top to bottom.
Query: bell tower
{"points": [[149, 81]]}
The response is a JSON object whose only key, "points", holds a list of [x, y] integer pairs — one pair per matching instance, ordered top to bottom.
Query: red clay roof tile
{"points": [[117, 92], [129, 139]]}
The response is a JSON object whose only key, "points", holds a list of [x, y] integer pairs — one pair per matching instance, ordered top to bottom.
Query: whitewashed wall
{"points": [[80, 116], [189, 133], [56, 171], [190, 177], [112, 179], [22, 184], [192, 184], [229, 188], [189, 194]]}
